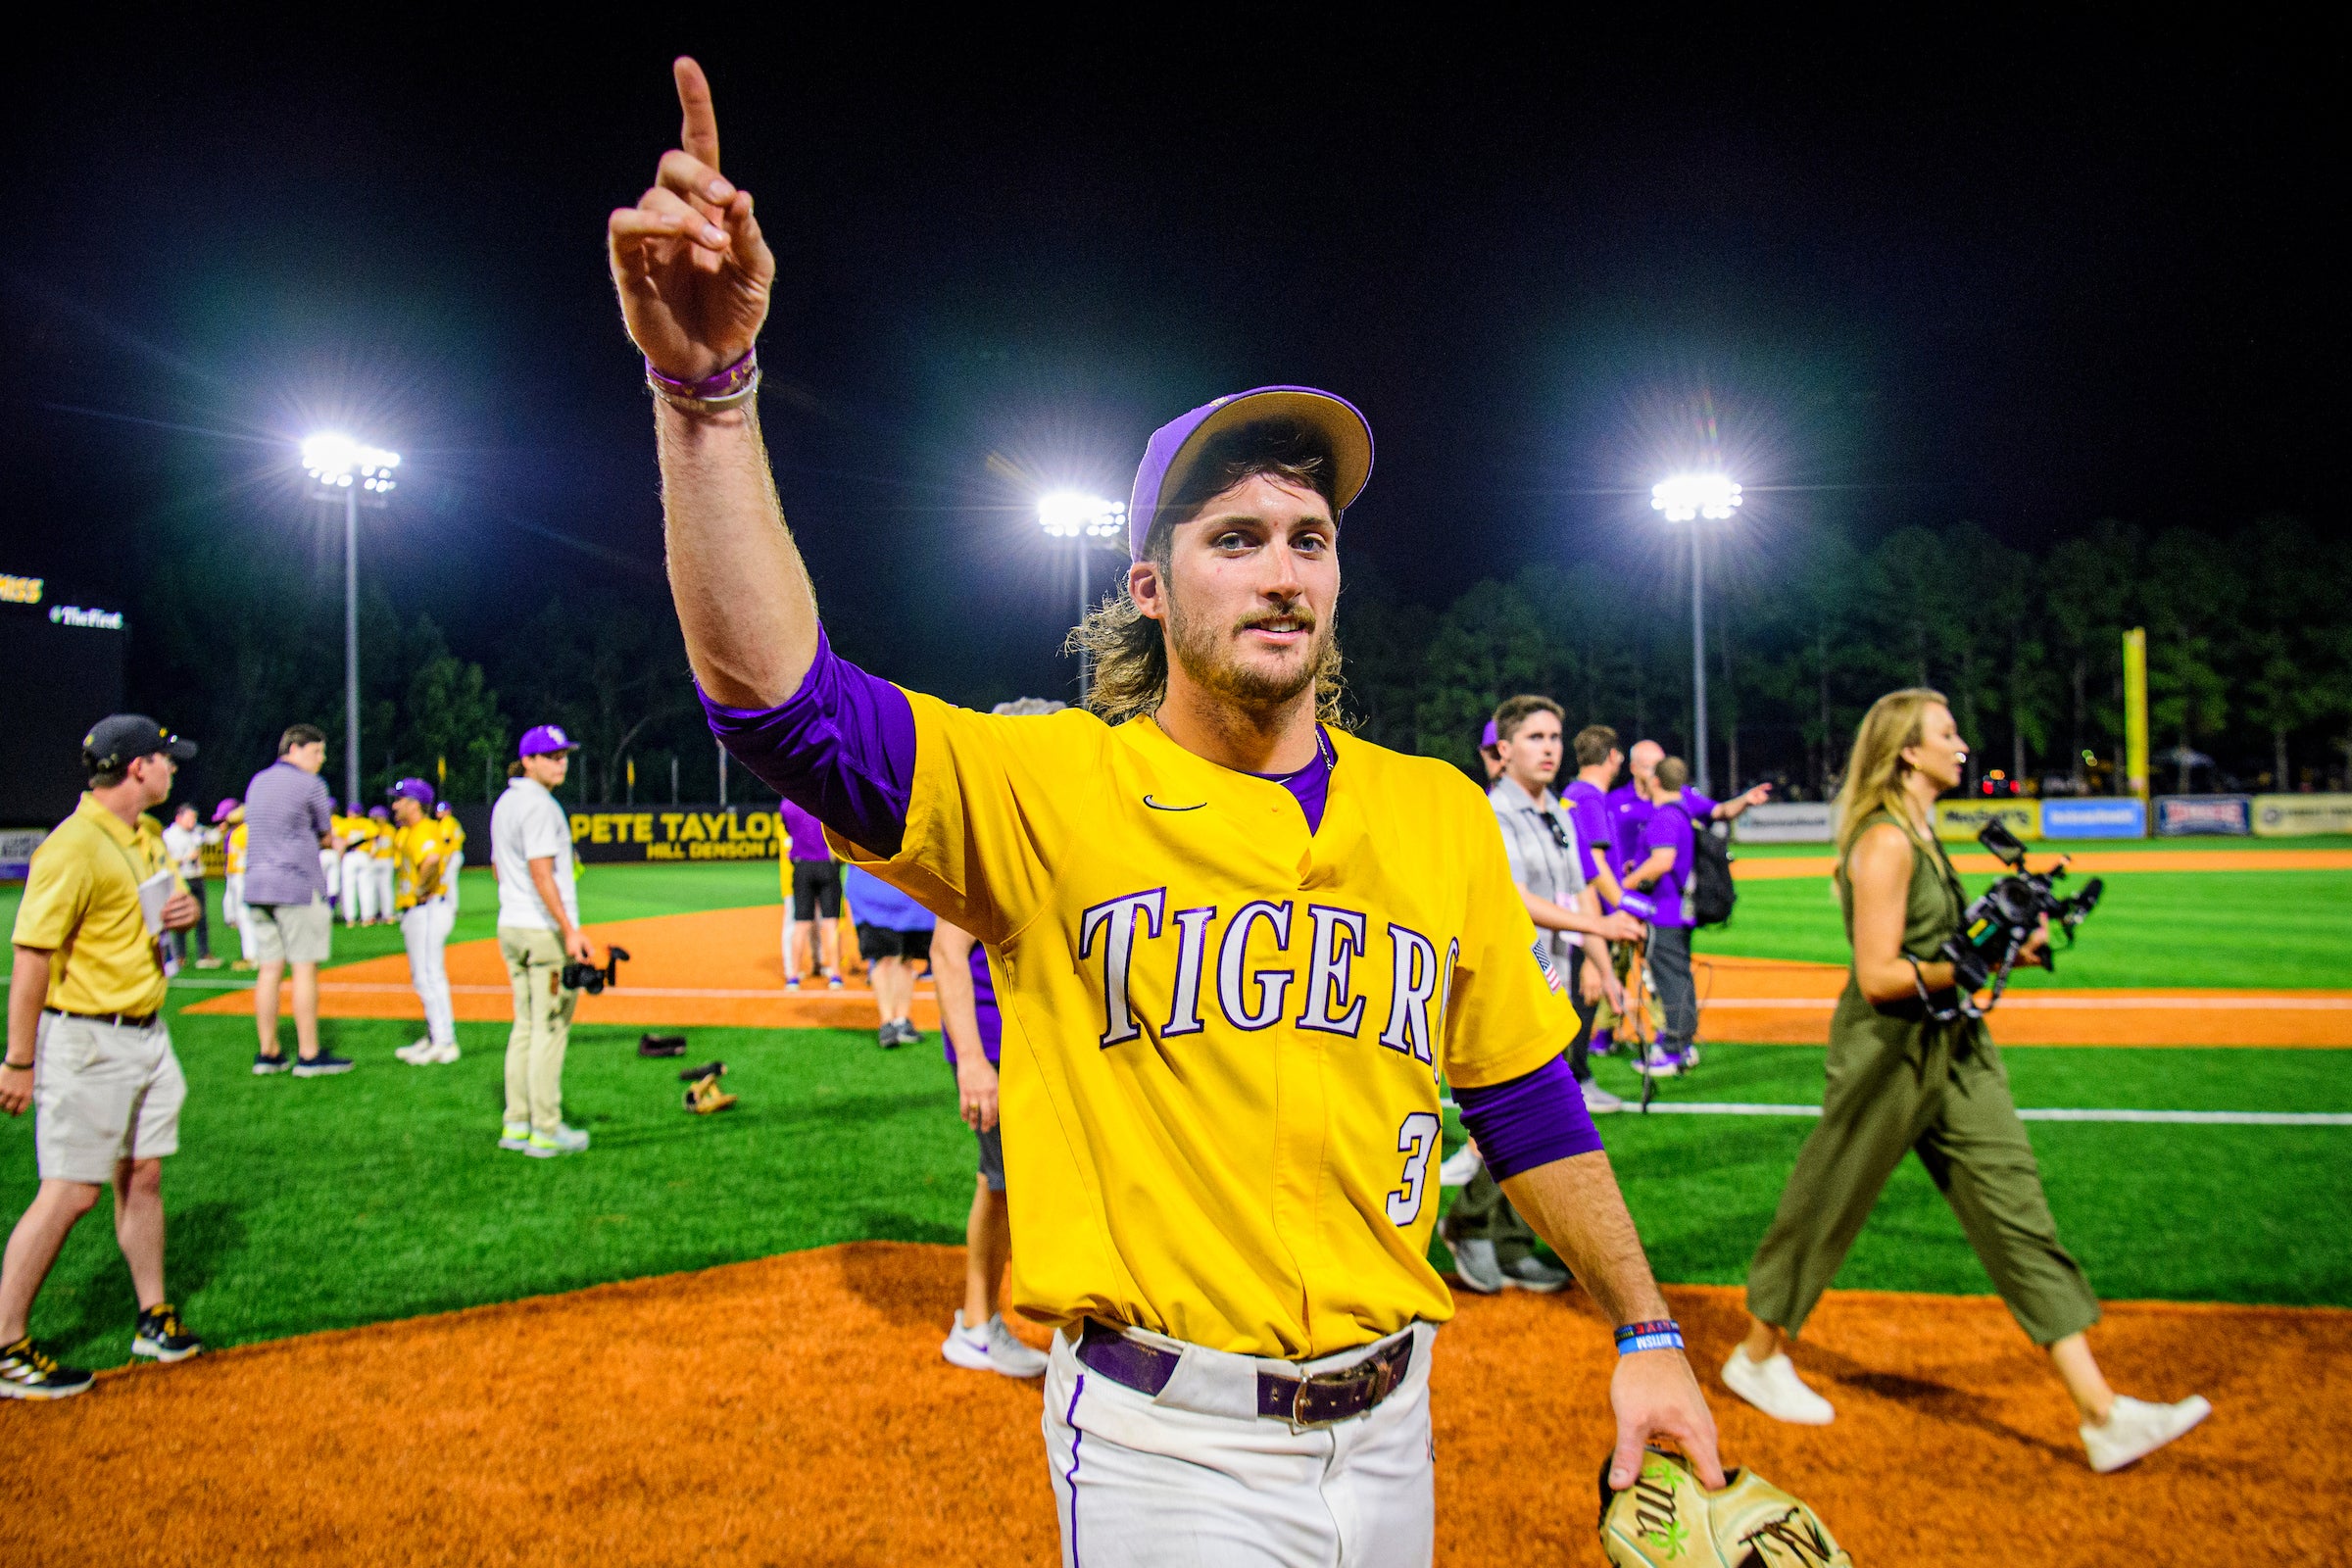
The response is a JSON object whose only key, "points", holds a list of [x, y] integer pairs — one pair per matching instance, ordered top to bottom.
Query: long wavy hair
{"points": [[1128, 649], [1875, 773]]}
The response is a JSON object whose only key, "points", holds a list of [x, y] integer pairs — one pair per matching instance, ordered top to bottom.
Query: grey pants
{"points": [[1670, 968]]}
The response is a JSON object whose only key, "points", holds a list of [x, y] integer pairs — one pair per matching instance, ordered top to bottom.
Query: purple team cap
{"points": [[1175, 445], [543, 739], [1487, 739], [413, 789], [221, 811], [379, 812]]}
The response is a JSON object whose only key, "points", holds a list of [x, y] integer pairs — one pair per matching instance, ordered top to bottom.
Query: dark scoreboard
{"points": [[61, 671]]}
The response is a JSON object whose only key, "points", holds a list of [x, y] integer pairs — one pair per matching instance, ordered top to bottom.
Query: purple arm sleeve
{"points": [[841, 748], [1530, 1121]]}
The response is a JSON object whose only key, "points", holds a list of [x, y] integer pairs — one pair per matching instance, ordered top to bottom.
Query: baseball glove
{"points": [[1667, 1520]]}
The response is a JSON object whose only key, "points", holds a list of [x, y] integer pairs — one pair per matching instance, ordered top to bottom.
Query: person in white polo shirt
{"points": [[538, 932]]}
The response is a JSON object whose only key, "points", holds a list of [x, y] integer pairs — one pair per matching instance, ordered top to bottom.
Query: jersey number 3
{"points": [[1417, 1140]]}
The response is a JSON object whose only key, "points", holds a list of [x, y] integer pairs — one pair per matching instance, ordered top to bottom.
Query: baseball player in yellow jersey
{"points": [[230, 815], [453, 834], [420, 850], [383, 868], [1236, 949]]}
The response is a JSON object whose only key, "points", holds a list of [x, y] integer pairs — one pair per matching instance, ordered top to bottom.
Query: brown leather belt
{"points": [[126, 1020], [1317, 1400]]}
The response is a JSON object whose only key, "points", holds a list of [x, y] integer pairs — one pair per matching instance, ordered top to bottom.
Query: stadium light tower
{"points": [[343, 470], [1689, 498], [1073, 514]]}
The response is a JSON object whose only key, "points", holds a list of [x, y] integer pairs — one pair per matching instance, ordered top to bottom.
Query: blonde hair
{"points": [[1873, 774]]}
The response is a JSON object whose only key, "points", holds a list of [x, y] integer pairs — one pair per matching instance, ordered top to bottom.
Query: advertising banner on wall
{"points": [[2189, 815], [2284, 815], [2094, 817], [1961, 820], [1785, 822], [675, 833], [665, 834]]}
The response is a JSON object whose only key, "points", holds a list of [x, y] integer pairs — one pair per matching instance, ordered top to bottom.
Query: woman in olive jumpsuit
{"points": [[1902, 1080]]}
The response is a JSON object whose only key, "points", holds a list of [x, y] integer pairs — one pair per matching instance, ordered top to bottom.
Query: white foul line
{"points": [[2212, 1118]]}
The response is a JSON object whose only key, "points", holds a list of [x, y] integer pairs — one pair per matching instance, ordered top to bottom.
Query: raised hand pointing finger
{"points": [[699, 135]]}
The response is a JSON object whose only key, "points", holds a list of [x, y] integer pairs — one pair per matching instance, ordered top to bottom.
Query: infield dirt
{"points": [[795, 1411]]}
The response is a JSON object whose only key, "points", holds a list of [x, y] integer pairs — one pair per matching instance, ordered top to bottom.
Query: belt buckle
{"points": [[1365, 1371]]}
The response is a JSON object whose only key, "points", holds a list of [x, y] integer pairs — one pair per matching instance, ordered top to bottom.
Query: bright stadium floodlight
{"points": [[344, 469], [1696, 495], [1683, 498], [1070, 514], [1075, 515]]}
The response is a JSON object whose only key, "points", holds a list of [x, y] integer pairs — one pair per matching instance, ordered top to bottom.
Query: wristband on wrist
{"points": [[730, 388], [17, 1066], [1662, 1334]]}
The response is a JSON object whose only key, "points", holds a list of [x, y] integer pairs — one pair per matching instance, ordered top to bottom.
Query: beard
{"points": [[1209, 654]]}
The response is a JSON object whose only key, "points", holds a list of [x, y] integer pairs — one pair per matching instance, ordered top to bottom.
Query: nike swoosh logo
{"points": [[1156, 807]]}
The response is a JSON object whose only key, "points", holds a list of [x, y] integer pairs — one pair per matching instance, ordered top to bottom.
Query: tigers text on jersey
{"points": [[1223, 1034]]}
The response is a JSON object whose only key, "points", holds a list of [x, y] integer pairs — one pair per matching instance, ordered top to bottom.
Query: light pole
{"points": [[345, 471], [1688, 498], [1072, 515]]}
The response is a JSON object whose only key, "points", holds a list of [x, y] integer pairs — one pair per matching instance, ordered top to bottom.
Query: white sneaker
{"points": [[416, 1052], [440, 1055], [1598, 1102], [515, 1134], [1461, 1167], [1475, 1265], [990, 1349], [1776, 1390], [2136, 1429]]}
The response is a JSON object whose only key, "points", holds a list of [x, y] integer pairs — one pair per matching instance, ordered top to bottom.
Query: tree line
{"points": [[2249, 648]]}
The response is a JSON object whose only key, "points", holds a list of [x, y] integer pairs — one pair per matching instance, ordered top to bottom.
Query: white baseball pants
{"points": [[330, 861], [384, 887], [233, 909], [425, 931], [1164, 1482]]}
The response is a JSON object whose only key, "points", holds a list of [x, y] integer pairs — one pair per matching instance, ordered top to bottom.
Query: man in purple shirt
{"points": [[1597, 761], [1629, 807], [289, 820], [1656, 887], [814, 892]]}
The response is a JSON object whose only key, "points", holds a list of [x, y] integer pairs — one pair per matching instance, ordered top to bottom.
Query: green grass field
{"points": [[304, 1205]]}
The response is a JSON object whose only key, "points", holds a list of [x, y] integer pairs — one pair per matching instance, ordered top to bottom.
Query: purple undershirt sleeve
{"points": [[841, 748], [1531, 1120]]}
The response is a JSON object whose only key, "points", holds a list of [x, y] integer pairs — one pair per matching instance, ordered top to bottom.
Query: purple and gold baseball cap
{"points": [[1176, 445], [1489, 738], [542, 740], [413, 789], [221, 811], [379, 812]]}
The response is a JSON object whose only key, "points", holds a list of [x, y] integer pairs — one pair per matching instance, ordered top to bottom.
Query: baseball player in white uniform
{"points": [[1229, 981]]}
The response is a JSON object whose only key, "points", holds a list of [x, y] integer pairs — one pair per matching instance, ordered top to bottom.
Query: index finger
{"points": [[699, 135]]}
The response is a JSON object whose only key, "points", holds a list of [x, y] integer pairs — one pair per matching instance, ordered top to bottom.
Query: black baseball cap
{"points": [[117, 738]]}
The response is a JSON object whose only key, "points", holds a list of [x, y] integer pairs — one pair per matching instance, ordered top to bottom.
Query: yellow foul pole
{"points": [[2135, 711]]}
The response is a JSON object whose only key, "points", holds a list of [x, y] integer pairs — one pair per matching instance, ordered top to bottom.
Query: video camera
{"points": [[2004, 916], [593, 978]]}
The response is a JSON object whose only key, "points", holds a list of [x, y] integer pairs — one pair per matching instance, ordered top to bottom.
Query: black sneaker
{"points": [[894, 1034], [909, 1034], [264, 1064], [321, 1065], [163, 1336], [27, 1374]]}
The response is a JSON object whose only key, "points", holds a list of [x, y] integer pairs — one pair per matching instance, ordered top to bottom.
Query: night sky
{"points": [[2010, 275]]}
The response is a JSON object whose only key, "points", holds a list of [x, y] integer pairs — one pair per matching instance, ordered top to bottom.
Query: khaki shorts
{"points": [[293, 933], [103, 1093]]}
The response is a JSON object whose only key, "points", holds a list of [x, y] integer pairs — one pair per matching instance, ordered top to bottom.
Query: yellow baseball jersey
{"points": [[453, 832], [383, 840], [412, 847], [233, 852], [81, 905], [1223, 1034]]}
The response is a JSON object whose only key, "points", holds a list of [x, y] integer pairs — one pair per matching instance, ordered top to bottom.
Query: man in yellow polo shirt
{"points": [[86, 1044]]}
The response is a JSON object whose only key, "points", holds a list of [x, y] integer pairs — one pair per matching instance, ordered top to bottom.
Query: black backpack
{"points": [[1710, 895]]}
